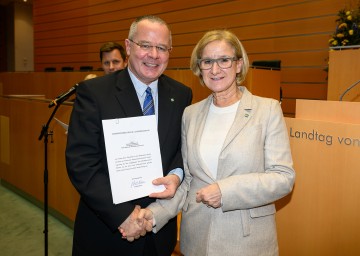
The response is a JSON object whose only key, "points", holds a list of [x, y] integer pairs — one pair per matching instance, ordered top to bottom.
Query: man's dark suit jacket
{"points": [[108, 97]]}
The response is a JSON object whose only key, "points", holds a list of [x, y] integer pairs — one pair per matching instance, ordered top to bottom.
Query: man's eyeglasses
{"points": [[148, 47], [226, 62]]}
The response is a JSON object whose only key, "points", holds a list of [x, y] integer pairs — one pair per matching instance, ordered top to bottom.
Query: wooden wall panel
{"points": [[69, 33], [304, 74], [47, 84], [302, 91], [288, 107], [26, 170]]}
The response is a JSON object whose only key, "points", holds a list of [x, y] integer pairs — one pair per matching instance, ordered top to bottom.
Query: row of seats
{"points": [[265, 64], [69, 69]]}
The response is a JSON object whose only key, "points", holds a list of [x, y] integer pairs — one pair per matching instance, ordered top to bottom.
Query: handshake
{"points": [[140, 220], [137, 224]]}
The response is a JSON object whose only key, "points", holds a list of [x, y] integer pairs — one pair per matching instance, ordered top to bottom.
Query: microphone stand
{"points": [[348, 89], [44, 134]]}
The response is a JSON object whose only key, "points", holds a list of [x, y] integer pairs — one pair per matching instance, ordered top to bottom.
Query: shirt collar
{"points": [[140, 87]]}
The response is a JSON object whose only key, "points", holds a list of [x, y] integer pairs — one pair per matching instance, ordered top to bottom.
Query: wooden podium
{"points": [[344, 70], [321, 216]]}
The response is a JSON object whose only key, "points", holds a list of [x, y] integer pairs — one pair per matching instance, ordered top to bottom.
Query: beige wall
{"points": [[24, 38]]}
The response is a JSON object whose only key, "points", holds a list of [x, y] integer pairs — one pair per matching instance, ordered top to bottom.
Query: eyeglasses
{"points": [[148, 47], [226, 62]]}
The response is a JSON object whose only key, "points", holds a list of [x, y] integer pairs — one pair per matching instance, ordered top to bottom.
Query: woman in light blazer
{"points": [[237, 160]]}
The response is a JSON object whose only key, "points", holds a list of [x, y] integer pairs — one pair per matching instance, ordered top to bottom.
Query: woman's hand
{"points": [[210, 196]]}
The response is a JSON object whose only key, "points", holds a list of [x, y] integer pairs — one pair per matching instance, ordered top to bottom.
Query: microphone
{"points": [[348, 89], [64, 96]]}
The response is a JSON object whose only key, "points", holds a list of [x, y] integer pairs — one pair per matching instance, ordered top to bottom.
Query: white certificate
{"points": [[133, 157]]}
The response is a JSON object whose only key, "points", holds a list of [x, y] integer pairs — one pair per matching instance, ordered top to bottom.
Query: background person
{"points": [[112, 57], [121, 95], [237, 156]]}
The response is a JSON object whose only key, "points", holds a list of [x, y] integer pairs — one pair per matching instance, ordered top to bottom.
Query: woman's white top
{"points": [[217, 126]]}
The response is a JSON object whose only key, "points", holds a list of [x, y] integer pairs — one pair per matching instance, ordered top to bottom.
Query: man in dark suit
{"points": [[120, 95]]}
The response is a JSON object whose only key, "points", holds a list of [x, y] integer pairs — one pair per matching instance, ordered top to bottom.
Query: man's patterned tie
{"points": [[148, 108]]}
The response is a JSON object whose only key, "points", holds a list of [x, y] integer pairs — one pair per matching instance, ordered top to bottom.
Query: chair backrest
{"points": [[267, 64], [86, 68], [50, 69], [67, 69]]}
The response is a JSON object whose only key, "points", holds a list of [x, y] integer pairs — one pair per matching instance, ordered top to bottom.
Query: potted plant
{"points": [[347, 32]]}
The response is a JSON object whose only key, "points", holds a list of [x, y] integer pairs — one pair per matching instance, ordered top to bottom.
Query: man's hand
{"points": [[171, 183], [210, 196], [146, 215], [134, 227]]}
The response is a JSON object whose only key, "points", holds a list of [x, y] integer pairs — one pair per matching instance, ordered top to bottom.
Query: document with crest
{"points": [[133, 157]]}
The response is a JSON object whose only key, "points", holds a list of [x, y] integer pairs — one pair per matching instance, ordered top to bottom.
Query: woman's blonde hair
{"points": [[220, 35]]}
